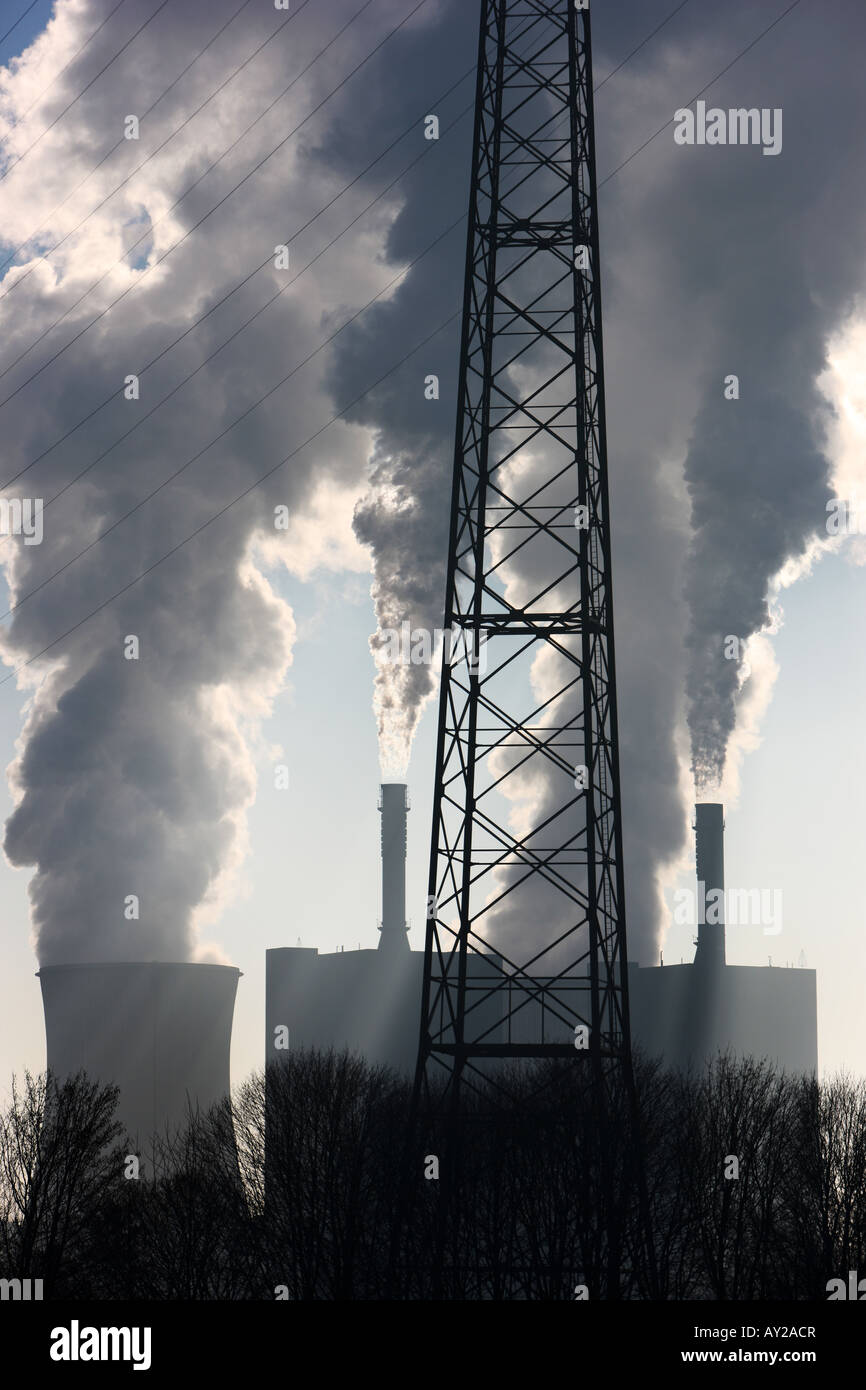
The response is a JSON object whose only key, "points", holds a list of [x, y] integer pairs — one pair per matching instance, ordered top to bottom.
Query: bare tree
{"points": [[320, 1147], [56, 1164], [309, 1185]]}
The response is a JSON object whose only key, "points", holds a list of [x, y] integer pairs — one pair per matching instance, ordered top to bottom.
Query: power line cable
{"points": [[4, 37], [642, 44], [711, 83], [442, 97], [72, 103], [26, 112], [122, 141], [189, 189], [202, 219], [149, 230], [45, 254], [267, 262], [255, 271], [282, 290], [246, 323], [346, 408], [222, 434], [239, 498]]}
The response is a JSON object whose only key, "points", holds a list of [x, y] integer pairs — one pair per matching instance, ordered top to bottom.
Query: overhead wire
{"points": [[23, 15], [68, 64], [59, 117], [122, 141], [268, 261], [138, 282], [345, 409], [228, 429], [234, 501]]}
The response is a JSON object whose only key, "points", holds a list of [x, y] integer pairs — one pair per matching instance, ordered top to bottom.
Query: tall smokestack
{"points": [[393, 803], [710, 860], [159, 1031]]}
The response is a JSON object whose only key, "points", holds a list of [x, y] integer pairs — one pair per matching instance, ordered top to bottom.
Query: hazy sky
{"points": [[157, 777]]}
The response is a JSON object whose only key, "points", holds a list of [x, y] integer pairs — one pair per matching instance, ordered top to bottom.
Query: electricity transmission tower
{"points": [[525, 947], [525, 954]]}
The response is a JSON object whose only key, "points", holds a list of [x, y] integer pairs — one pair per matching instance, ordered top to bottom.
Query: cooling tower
{"points": [[393, 805], [710, 861], [160, 1031]]}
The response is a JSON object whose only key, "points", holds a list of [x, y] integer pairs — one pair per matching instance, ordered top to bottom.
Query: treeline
{"points": [[754, 1187]]}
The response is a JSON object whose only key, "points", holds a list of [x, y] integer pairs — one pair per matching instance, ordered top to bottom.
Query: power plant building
{"points": [[366, 1000], [370, 1000], [160, 1031]]}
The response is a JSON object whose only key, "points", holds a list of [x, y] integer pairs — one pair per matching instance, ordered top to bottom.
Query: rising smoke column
{"points": [[774, 258], [714, 261], [757, 477], [404, 517], [402, 520], [134, 775]]}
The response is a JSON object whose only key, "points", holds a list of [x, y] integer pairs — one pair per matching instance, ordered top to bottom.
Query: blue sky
{"points": [[32, 22], [789, 820], [311, 871]]}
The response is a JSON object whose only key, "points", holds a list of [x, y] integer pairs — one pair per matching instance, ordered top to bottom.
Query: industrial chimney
{"points": [[393, 804], [710, 860], [160, 1031]]}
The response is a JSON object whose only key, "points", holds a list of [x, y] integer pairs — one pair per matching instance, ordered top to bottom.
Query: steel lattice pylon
{"points": [[526, 933]]}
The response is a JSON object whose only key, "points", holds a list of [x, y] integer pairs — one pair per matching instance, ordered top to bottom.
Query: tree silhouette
{"points": [[309, 1186]]}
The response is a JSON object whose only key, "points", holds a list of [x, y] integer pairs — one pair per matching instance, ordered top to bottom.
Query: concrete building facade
{"points": [[679, 1013], [161, 1031]]}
